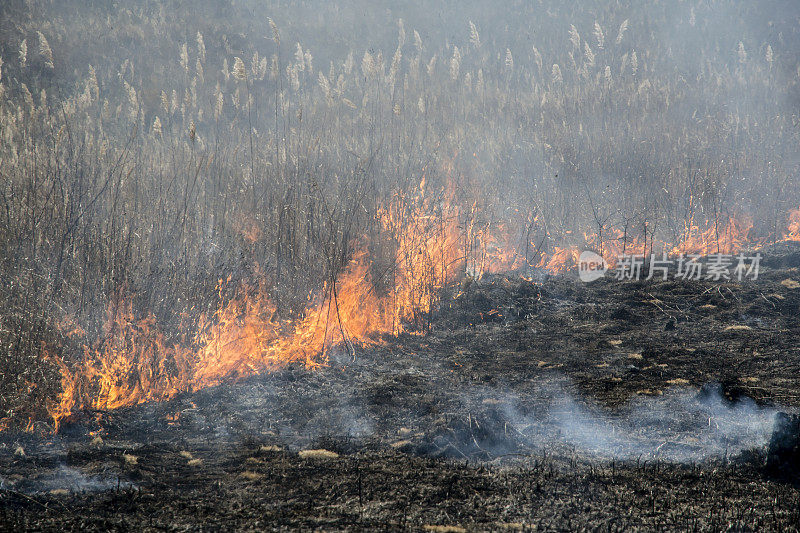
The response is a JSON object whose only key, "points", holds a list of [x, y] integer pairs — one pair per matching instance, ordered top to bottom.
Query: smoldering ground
{"points": [[603, 414]]}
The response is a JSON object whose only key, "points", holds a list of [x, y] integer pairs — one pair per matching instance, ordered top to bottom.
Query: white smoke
{"points": [[683, 425], [73, 480]]}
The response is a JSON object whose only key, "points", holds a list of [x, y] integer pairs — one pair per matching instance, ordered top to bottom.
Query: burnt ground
{"points": [[551, 405]]}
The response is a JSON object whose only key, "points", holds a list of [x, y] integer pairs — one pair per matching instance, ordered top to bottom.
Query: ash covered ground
{"points": [[546, 404]]}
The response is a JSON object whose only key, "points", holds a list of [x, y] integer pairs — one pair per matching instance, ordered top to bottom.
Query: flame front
{"points": [[723, 238], [430, 243], [132, 363]]}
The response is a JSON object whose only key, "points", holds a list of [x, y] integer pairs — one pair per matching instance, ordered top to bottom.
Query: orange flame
{"points": [[793, 231], [727, 238], [429, 242], [133, 363]]}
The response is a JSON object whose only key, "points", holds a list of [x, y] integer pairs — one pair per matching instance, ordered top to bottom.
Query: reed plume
{"points": [[621, 33], [598, 34], [574, 37], [474, 38], [45, 51], [23, 53], [455, 63], [239, 71], [556, 74]]}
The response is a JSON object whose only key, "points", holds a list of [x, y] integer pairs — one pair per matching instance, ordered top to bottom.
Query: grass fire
{"points": [[427, 266]]}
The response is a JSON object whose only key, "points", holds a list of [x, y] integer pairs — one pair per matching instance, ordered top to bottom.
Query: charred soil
{"points": [[455, 428]]}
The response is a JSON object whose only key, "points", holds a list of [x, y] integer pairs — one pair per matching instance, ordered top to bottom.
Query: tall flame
{"points": [[793, 233], [132, 363]]}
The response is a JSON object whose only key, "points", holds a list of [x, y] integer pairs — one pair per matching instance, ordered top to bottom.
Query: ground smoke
{"points": [[680, 426]]}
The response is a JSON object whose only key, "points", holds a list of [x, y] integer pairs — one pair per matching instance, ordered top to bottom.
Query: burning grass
{"points": [[335, 196], [310, 260], [132, 363], [394, 436]]}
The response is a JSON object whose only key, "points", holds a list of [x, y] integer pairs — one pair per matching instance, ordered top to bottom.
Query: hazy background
{"points": [[152, 148]]}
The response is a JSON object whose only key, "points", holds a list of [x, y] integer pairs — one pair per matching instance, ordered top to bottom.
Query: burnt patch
{"points": [[783, 452]]}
